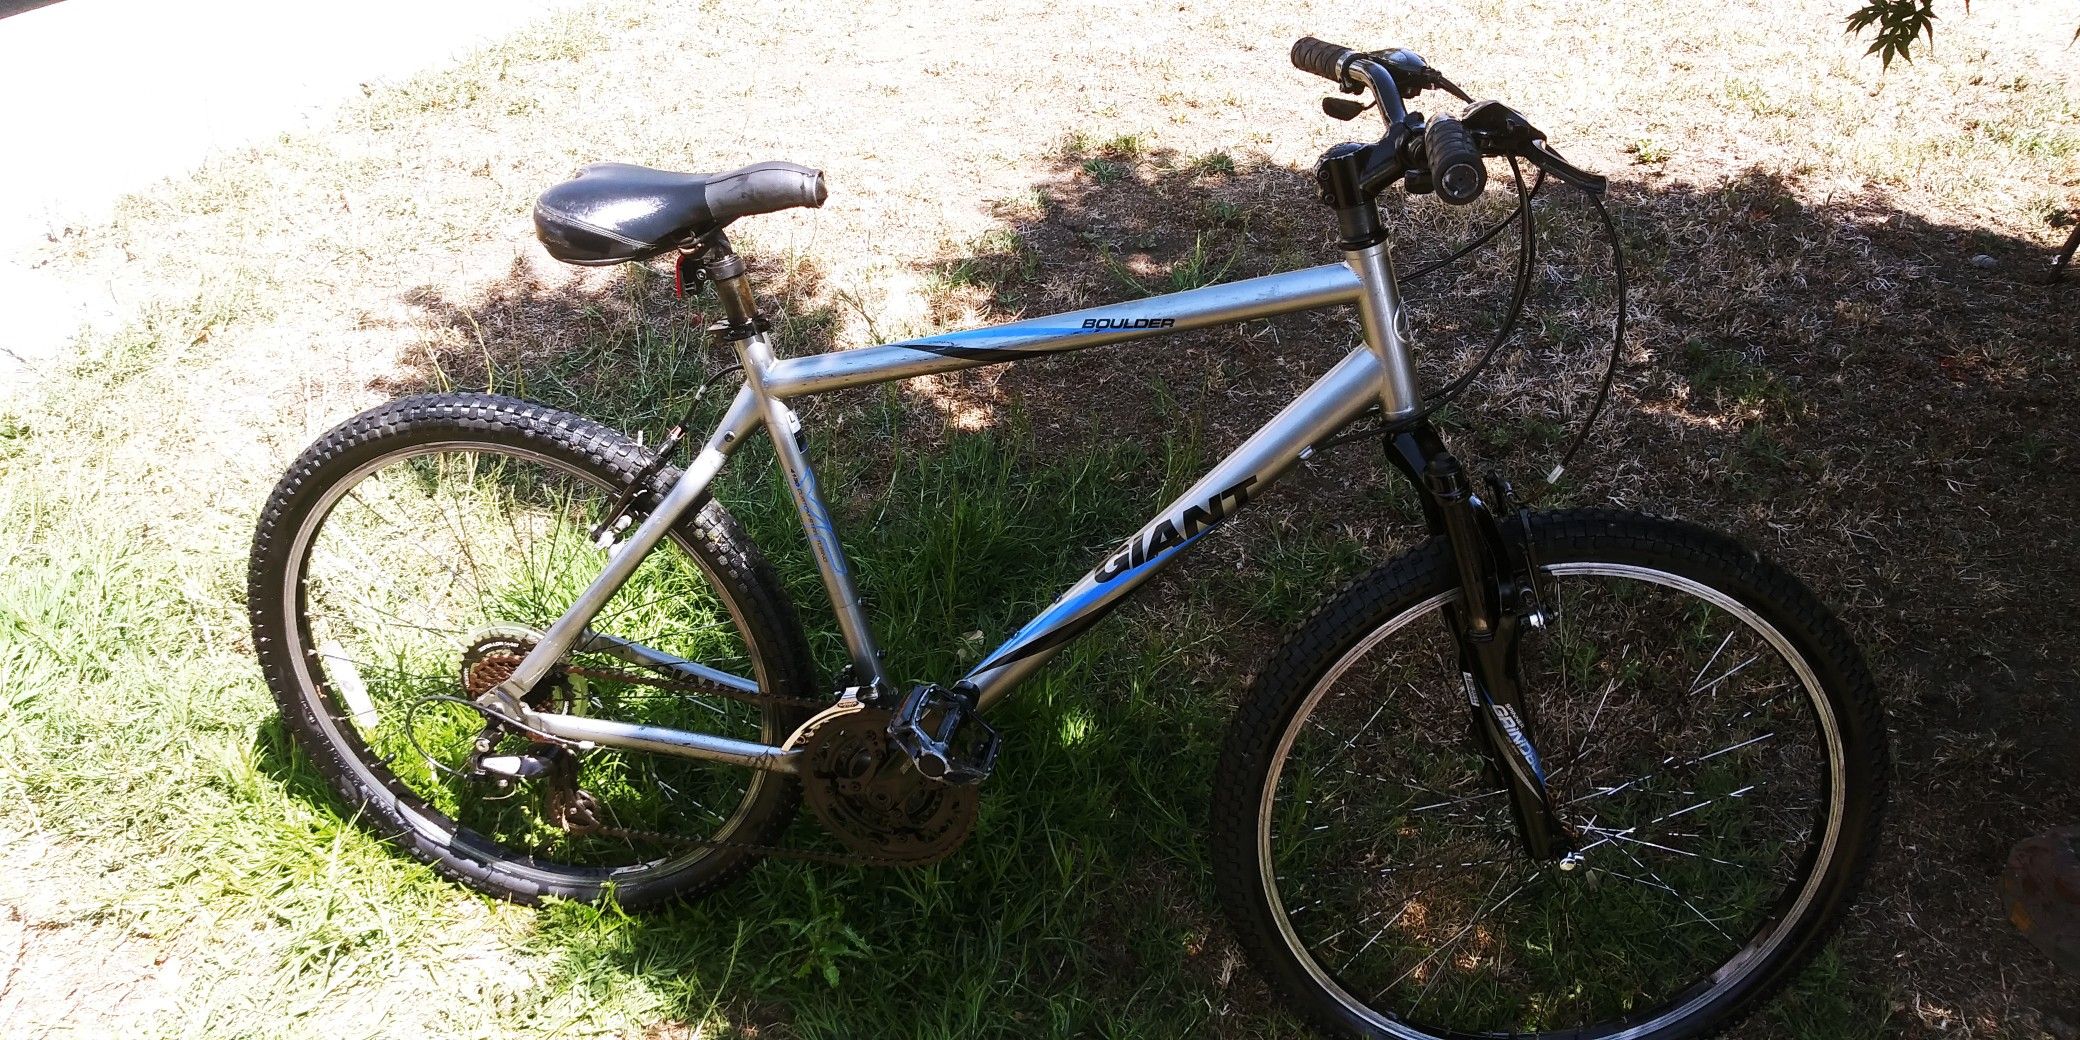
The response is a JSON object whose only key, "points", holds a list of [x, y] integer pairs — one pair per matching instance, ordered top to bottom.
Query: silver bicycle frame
{"points": [[1382, 372]]}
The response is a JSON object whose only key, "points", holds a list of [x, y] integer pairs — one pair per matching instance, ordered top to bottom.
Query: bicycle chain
{"points": [[693, 686], [573, 808], [580, 818]]}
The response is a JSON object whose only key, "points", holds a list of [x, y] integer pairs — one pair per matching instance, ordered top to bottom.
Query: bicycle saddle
{"points": [[613, 213]]}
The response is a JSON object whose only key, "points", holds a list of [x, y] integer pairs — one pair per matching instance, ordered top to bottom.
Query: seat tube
{"points": [[1385, 325], [755, 352]]}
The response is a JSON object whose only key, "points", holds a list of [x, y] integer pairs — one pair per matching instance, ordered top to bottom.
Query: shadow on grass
{"points": [[1837, 383]]}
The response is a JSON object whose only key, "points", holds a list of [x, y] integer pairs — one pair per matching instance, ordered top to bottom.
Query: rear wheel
{"points": [[407, 561], [1711, 735]]}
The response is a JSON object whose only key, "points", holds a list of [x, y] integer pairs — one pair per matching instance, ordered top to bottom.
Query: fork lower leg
{"points": [[1487, 623]]}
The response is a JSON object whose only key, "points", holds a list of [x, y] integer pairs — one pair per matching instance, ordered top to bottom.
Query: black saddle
{"points": [[613, 213]]}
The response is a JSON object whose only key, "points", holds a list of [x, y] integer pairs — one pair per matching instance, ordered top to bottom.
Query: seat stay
{"points": [[627, 554]]}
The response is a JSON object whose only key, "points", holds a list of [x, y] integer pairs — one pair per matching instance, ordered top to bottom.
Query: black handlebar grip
{"points": [[1321, 58], [1456, 170]]}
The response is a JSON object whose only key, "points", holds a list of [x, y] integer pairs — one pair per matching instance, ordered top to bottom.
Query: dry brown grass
{"points": [[1816, 363]]}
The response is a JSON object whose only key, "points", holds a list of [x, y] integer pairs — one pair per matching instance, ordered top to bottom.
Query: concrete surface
{"points": [[100, 98]]}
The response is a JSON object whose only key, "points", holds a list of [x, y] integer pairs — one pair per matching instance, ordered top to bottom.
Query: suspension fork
{"points": [[1498, 596]]}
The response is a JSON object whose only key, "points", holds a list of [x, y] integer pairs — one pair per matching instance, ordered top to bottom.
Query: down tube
{"points": [[1333, 401]]}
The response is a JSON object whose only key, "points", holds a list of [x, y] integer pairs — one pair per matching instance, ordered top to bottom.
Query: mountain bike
{"points": [[1585, 772]]}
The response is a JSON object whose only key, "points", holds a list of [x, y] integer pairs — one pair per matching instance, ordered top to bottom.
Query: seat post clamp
{"points": [[687, 272], [727, 331]]}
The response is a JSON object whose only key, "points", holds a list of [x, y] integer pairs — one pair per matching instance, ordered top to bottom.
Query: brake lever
{"points": [[1413, 75], [1343, 109], [1501, 130], [1542, 156]]}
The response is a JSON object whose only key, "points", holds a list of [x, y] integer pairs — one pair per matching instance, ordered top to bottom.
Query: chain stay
{"points": [[574, 809]]}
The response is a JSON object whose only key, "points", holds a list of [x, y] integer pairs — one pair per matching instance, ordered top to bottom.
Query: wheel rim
{"points": [[345, 642], [1483, 932]]}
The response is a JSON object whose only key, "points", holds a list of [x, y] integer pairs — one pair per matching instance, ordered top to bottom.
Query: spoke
{"points": [[454, 526], [419, 543], [447, 567], [368, 568], [538, 581], [372, 608], [1709, 661], [371, 665], [1730, 673], [1764, 706], [1589, 731], [1354, 738], [1732, 747], [1665, 765], [1456, 801], [1616, 834], [1625, 836], [1636, 861], [1442, 866], [1639, 881], [1398, 915], [1477, 917], [1338, 934]]}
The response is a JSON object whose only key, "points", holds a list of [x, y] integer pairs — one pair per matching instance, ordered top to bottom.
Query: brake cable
{"points": [[1538, 184], [1527, 251], [1526, 260], [1610, 369], [611, 522]]}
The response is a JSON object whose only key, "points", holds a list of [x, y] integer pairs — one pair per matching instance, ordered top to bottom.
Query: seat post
{"points": [[732, 286]]}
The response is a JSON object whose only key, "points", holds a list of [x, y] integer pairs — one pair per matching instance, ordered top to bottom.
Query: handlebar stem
{"points": [[1385, 89], [1343, 175]]}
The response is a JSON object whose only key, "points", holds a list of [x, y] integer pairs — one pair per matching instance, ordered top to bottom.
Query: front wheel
{"points": [[1711, 737]]}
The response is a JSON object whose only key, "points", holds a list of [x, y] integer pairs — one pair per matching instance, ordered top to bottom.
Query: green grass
{"points": [[1105, 171], [1197, 268], [1728, 379], [121, 638]]}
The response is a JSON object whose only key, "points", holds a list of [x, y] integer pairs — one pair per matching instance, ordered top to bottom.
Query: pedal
{"points": [[944, 738]]}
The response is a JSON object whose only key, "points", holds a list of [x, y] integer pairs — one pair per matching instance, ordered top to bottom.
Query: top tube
{"points": [[1251, 298]]}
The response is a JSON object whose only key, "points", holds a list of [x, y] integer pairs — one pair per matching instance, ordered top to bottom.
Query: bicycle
{"points": [[1581, 772]]}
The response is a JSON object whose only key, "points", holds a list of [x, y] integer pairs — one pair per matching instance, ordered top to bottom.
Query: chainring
{"points": [[866, 794]]}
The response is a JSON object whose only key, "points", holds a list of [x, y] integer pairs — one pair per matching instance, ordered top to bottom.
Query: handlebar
{"points": [[1322, 58], [1352, 71], [1445, 154], [1456, 170]]}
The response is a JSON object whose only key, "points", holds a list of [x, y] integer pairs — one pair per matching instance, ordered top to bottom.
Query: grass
{"points": [[1197, 268], [171, 866]]}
